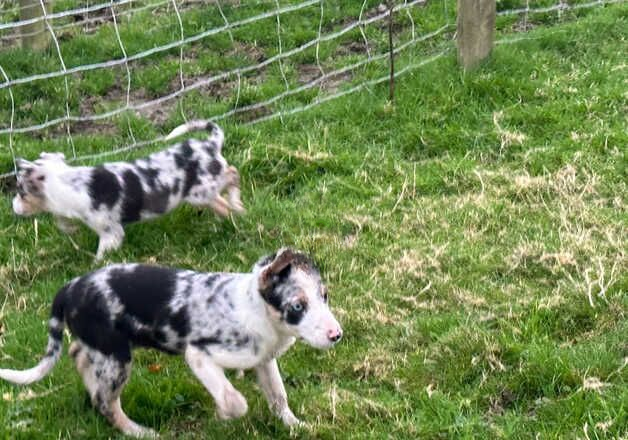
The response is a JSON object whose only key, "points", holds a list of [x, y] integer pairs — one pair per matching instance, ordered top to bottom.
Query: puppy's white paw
{"points": [[220, 206], [237, 207], [233, 405], [289, 419], [146, 433]]}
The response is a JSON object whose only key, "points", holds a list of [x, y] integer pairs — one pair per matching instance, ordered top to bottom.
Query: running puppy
{"points": [[108, 196], [216, 320]]}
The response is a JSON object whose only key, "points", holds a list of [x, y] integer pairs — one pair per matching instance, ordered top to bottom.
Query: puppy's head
{"points": [[30, 198], [297, 298]]}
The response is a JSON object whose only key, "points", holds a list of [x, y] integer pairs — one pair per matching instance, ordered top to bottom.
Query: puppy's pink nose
{"points": [[334, 334]]}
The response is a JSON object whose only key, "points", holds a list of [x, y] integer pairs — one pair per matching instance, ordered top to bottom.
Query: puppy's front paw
{"points": [[220, 206], [237, 207], [233, 405], [289, 419], [145, 433]]}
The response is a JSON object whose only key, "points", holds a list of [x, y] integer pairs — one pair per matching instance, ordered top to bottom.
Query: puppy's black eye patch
{"points": [[41, 178], [295, 311]]}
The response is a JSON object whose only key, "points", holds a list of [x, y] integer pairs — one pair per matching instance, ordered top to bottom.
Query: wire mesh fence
{"points": [[114, 67]]}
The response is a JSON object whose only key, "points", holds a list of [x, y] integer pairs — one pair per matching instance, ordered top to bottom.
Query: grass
{"points": [[473, 237]]}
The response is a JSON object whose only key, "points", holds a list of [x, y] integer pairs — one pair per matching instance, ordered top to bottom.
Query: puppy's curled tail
{"points": [[215, 132], [53, 350]]}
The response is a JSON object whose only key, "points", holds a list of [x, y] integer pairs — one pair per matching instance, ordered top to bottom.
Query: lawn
{"points": [[472, 235]]}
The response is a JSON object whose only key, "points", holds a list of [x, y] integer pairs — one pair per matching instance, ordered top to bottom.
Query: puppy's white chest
{"points": [[252, 354], [241, 359]]}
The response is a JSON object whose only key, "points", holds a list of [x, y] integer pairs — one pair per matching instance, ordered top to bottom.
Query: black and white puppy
{"points": [[108, 196], [216, 320]]}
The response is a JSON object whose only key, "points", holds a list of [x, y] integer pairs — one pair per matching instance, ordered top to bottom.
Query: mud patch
{"points": [[351, 48], [251, 51], [310, 72], [220, 90], [252, 114], [502, 402]]}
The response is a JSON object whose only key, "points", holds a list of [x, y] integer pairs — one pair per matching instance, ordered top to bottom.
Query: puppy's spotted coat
{"points": [[108, 196], [216, 320]]}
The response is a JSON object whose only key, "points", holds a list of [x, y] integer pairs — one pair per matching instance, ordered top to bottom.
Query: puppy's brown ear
{"points": [[282, 260]]}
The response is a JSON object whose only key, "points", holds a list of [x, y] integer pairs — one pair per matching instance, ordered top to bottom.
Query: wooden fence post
{"points": [[476, 26], [35, 36]]}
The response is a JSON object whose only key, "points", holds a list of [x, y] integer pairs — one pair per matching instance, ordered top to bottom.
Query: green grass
{"points": [[458, 230]]}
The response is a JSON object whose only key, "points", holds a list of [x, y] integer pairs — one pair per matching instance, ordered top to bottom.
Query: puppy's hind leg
{"points": [[233, 191], [110, 238], [104, 377], [230, 403]]}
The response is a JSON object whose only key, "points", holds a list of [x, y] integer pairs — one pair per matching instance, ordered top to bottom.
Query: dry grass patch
{"points": [[507, 137], [412, 262], [380, 363]]}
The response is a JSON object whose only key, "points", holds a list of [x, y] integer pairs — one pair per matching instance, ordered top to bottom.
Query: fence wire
{"points": [[324, 34]]}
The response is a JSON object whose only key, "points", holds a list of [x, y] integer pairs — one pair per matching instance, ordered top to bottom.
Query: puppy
{"points": [[108, 196], [216, 320]]}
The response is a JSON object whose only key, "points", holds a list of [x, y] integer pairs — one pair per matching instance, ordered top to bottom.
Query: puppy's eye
{"points": [[325, 297], [297, 307]]}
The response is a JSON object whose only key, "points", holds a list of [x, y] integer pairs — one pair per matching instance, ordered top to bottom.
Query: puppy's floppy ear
{"points": [[24, 164], [282, 260]]}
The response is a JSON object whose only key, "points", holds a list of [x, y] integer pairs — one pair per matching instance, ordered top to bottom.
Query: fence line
{"points": [[158, 4], [19, 7], [557, 7], [87, 9], [127, 11], [88, 19], [93, 19], [320, 30], [366, 41], [155, 50], [281, 55], [331, 74], [204, 82], [67, 87], [302, 88], [354, 89], [279, 114], [11, 149]]}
